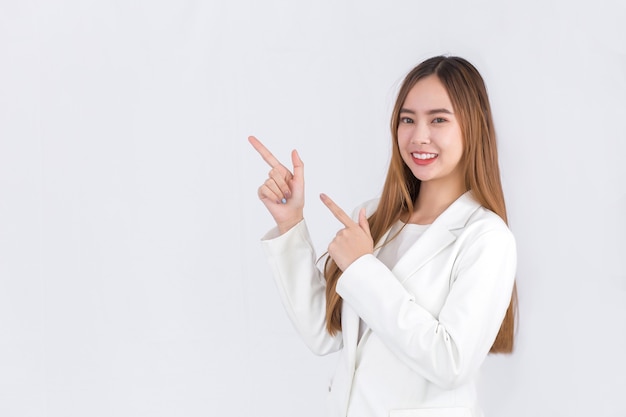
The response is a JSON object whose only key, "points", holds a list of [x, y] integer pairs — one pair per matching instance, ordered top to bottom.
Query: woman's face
{"points": [[429, 135]]}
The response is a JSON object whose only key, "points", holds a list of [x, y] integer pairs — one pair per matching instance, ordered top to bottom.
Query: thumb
{"points": [[298, 166], [364, 223]]}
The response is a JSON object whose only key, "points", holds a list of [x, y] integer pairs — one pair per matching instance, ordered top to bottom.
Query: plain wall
{"points": [[132, 281]]}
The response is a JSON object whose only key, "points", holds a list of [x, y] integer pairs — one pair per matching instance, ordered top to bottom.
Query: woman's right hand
{"points": [[282, 193]]}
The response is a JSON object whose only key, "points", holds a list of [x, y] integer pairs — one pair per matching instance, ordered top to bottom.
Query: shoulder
{"points": [[467, 218], [484, 224], [484, 240]]}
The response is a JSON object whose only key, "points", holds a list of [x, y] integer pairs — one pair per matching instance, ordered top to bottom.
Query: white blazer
{"points": [[431, 319]]}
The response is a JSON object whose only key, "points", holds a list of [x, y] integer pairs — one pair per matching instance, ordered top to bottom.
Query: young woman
{"points": [[419, 287]]}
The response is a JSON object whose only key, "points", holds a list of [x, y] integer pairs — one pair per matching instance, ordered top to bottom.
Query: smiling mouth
{"points": [[424, 156]]}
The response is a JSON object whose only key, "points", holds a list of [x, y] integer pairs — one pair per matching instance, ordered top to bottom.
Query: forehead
{"points": [[427, 94]]}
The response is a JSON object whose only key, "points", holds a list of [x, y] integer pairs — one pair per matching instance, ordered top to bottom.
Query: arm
{"points": [[290, 252], [301, 286], [449, 348]]}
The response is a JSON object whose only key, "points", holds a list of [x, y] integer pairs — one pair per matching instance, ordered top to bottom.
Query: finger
{"points": [[264, 152], [298, 165], [278, 179], [271, 185], [267, 192], [337, 211], [364, 223]]}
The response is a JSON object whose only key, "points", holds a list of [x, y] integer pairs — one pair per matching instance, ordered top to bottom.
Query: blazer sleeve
{"points": [[301, 286], [448, 349]]}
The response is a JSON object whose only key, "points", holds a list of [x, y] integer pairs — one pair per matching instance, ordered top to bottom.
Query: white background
{"points": [[132, 281]]}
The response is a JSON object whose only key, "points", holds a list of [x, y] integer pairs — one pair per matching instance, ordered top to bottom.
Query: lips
{"points": [[424, 158]]}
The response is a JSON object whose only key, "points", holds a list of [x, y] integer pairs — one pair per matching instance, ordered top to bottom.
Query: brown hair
{"points": [[468, 95]]}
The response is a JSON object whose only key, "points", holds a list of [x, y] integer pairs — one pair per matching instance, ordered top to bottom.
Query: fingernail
{"points": [[288, 194], [284, 201]]}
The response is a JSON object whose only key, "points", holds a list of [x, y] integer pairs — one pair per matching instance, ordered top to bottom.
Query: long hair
{"points": [[468, 95]]}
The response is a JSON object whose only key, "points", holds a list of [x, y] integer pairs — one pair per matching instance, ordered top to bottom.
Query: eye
{"points": [[406, 120], [439, 120]]}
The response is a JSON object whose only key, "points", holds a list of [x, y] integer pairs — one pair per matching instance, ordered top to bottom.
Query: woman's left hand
{"points": [[351, 242]]}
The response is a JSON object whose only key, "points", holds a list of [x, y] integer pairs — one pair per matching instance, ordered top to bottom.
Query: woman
{"points": [[416, 295]]}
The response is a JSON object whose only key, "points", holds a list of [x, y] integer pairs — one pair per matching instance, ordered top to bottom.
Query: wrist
{"points": [[284, 227]]}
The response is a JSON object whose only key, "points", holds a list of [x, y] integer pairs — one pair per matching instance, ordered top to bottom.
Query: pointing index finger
{"points": [[264, 152], [337, 211]]}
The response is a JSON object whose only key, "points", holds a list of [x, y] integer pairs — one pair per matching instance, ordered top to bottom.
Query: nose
{"points": [[421, 135]]}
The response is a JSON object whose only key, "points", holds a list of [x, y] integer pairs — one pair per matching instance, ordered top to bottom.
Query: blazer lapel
{"points": [[439, 235]]}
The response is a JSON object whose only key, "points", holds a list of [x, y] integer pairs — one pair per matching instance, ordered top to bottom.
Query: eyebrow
{"points": [[429, 112]]}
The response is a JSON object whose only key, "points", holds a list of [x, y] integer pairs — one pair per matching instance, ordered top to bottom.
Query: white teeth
{"points": [[424, 155]]}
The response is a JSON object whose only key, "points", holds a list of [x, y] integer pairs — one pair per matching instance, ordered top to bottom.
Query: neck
{"points": [[433, 199]]}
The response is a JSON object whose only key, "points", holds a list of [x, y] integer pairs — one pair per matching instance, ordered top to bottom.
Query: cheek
{"points": [[404, 137], [402, 143], [454, 144], [460, 148], [400, 150]]}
